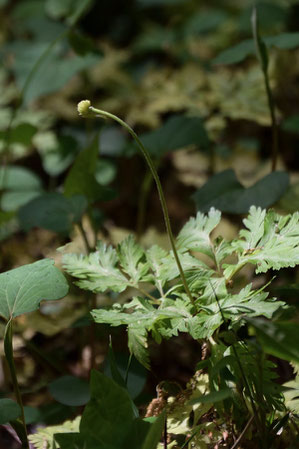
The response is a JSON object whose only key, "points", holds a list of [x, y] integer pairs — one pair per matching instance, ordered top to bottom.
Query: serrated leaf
{"points": [[195, 235], [275, 241], [130, 255], [155, 256], [170, 269], [97, 271], [23, 288], [137, 343], [292, 395], [44, 437]]}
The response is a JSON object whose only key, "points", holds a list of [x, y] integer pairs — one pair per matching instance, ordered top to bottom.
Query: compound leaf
{"points": [[195, 235], [271, 242], [130, 255], [97, 271]]}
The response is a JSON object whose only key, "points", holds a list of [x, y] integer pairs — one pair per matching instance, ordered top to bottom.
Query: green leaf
{"points": [[241, 51], [54, 71], [291, 124], [177, 132], [21, 133], [58, 158], [81, 177], [19, 184], [224, 192], [52, 211], [195, 235], [271, 242], [130, 255], [155, 256], [97, 271], [23, 288], [280, 339], [137, 343], [70, 390], [291, 395], [214, 396], [9, 411], [108, 415], [137, 434], [154, 435], [44, 436], [72, 441]]}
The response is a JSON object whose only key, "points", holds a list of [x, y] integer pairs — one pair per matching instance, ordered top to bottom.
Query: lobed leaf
{"points": [[195, 235], [97, 271]]}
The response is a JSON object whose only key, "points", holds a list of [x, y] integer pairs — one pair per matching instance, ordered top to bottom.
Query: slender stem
{"points": [[262, 55], [104, 114], [273, 120], [144, 192], [84, 237], [152, 298], [8, 348], [127, 369], [246, 384], [236, 443]]}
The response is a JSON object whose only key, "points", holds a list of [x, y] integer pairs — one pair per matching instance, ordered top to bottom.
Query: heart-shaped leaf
{"points": [[224, 192], [23, 288], [9, 411]]}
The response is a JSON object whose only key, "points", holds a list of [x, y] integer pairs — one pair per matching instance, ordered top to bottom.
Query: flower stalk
{"points": [[86, 110]]}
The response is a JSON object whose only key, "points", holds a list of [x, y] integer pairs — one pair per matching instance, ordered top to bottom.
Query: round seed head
{"points": [[83, 108]]}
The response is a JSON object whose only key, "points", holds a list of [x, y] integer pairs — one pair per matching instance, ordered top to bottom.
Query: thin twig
{"points": [[242, 433]]}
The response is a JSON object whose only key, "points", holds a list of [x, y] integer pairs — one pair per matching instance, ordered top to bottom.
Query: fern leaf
{"points": [[195, 235], [269, 242], [130, 255], [97, 271], [44, 437]]}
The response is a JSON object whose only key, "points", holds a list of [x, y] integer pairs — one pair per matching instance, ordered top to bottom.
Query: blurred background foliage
{"points": [[185, 75]]}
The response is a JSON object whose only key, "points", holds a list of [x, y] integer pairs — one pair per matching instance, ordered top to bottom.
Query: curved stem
{"points": [[147, 157], [8, 349]]}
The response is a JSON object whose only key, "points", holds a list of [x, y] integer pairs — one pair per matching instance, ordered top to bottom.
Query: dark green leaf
{"points": [[80, 43], [246, 48], [291, 124], [177, 132], [22, 133], [81, 177], [17, 178], [224, 192], [52, 211], [23, 288], [280, 339], [70, 390], [213, 397], [9, 411], [109, 414], [154, 435], [74, 441]]}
